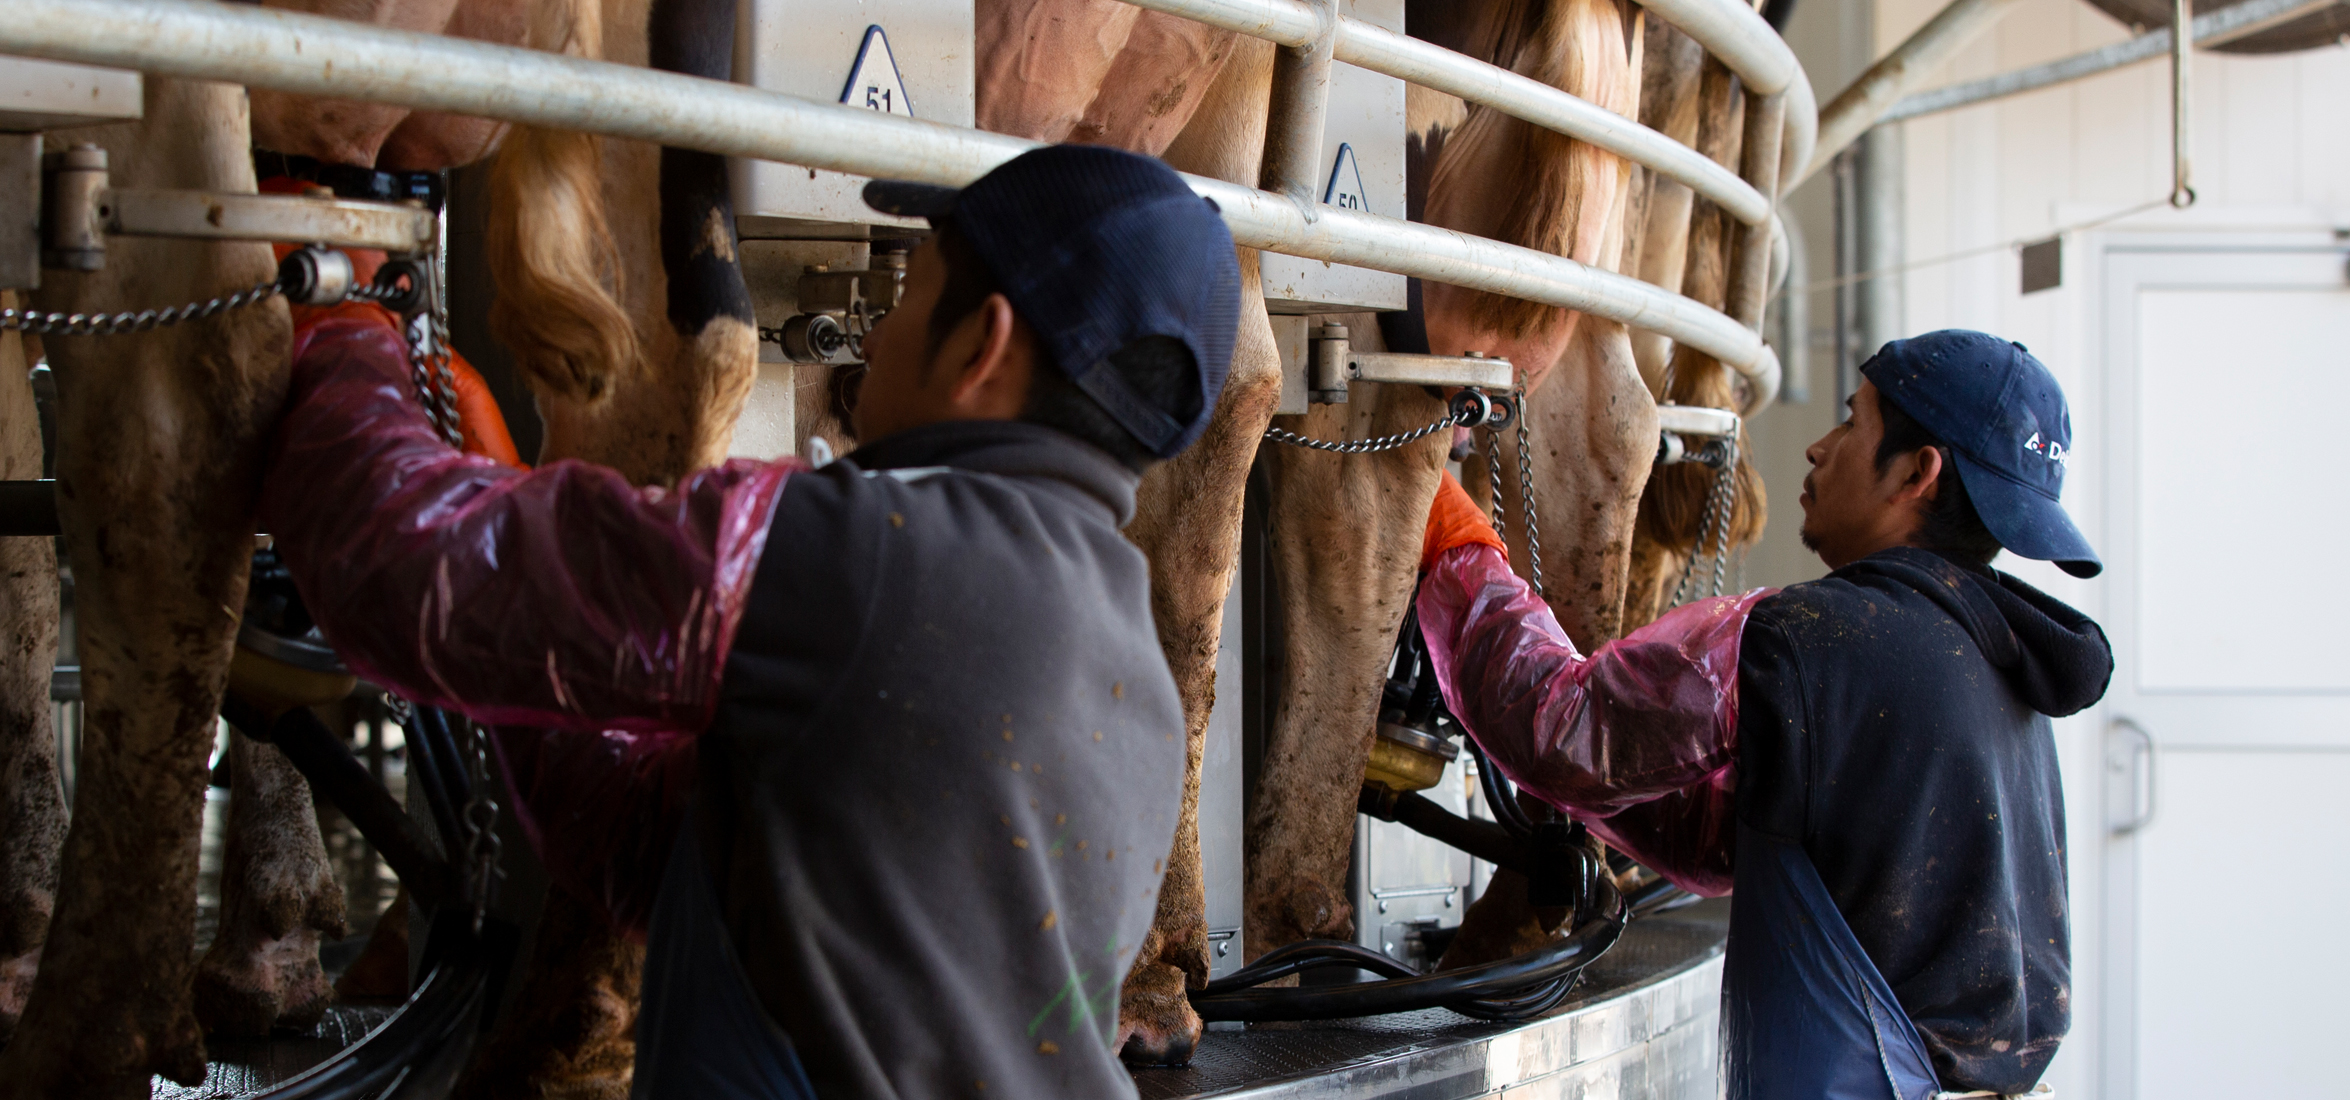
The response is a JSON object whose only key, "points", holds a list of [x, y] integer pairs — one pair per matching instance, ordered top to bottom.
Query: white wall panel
{"points": [[2221, 480], [2239, 880]]}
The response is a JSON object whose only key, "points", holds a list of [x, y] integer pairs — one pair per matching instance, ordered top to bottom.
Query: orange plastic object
{"points": [[479, 423], [1455, 520]]}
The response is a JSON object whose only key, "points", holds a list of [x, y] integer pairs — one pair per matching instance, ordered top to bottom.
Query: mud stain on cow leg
{"points": [[32, 805], [278, 900]]}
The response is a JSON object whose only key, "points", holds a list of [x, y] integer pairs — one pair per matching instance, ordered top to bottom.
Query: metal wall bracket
{"points": [[78, 210], [837, 309], [1332, 362]]}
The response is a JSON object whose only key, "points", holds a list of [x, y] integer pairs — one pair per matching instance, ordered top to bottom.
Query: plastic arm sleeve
{"points": [[563, 597], [1638, 740]]}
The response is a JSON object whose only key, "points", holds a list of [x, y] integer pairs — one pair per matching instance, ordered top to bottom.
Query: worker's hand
{"points": [[1455, 520]]}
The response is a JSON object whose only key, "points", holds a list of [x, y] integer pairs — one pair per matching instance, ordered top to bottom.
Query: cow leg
{"points": [[1591, 431], [1592, 434], [159, 453], [1187, 522], [1346, 532], [32, 805], [278, 898], [571, 1034]]}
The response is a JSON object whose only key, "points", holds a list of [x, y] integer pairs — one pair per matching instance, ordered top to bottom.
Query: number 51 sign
{"points": [[874, 83]]}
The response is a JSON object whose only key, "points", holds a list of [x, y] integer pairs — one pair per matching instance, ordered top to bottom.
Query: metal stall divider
{"points": [[1322, 216]]}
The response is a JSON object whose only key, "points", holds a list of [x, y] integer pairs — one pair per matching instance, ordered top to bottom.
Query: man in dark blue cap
{"points": [[933, 752], [1880, 783]]}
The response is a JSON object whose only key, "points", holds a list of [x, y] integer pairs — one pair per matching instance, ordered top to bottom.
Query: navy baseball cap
{"points": [[1096, 248], [2009, 432]]}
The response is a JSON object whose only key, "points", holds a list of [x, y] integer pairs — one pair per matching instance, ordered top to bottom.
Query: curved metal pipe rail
{"points": [[1727, 29], [1373, 47], [314, 55]]}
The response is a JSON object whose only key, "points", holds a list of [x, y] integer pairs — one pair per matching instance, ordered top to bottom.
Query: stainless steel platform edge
{"points": [[1656, 1040]]}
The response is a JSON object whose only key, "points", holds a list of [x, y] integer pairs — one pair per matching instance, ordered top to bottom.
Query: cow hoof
{"points": [[16, 983], [276, 984], [1156, 1026], [1148, 1046]]}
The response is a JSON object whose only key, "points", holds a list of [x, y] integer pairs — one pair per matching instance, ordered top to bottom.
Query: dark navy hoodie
{"points": [[1894, 719]]}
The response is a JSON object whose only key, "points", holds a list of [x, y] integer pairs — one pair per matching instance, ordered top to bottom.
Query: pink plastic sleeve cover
{"points": [[561, 597], [587, 617], [1639, 740]]}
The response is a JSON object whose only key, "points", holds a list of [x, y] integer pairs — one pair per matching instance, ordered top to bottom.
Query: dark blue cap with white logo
{"points": [[1096, 248], [2008, 428]]}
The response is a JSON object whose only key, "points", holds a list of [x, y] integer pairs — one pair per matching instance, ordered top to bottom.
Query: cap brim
{"points": [[908, 199], [2026, 523]]}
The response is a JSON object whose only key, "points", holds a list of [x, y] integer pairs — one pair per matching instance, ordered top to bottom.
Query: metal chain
{"points": [[116, 324], [1360, 446], [1526, 495], [1501, 524], [1713, 524], [480, 822]]}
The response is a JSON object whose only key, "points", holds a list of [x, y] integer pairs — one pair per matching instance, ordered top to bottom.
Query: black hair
{"points": [[1159, 369], [1950, 524]]}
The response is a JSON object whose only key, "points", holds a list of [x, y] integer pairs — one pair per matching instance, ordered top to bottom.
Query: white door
{"points": [[2226, 870]]}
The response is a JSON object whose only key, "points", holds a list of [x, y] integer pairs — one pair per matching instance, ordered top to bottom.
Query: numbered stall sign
{"points": [[874, 83], [1346, 181]]}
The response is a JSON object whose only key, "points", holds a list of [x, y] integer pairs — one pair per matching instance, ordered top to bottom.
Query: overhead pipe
{"points": [[2216, 29], [315, 55], [2182, 55], [1866, 101]]}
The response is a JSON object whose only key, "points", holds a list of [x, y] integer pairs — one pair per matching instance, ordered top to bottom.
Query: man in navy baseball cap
{"points": [[1093, 275], [2002, 420], [878, 755], [1893, 825]]}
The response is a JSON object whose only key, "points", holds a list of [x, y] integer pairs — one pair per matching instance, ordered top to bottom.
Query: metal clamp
{"points": [[82, 209], [838, 309], [1332, 362], [1679, 425]]}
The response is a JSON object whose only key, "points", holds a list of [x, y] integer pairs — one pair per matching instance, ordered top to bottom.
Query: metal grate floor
{"points": [[1643, 1018]]}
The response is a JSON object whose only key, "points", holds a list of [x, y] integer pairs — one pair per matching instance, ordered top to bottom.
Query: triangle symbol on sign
{"points": [[874, 83], [1346, 182]]}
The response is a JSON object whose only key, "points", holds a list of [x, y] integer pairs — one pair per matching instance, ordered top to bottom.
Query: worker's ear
{"points": [[993, 383], [1920, 472]]}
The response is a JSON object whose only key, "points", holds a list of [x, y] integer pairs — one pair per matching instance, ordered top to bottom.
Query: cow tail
{"points": [[550, 244]]}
